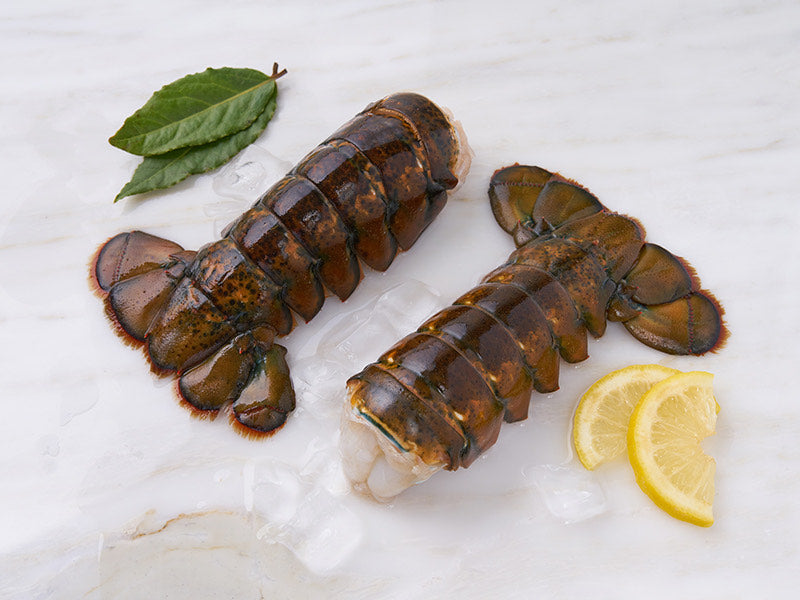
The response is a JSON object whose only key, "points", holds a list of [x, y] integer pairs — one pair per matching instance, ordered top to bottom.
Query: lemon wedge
{"points": [[600, 427], [664, 437]]}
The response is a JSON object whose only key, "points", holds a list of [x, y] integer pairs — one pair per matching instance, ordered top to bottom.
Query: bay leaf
{"points": [[197, 109], [165, 170]]}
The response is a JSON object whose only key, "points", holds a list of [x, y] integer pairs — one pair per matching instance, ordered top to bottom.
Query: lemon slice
{"points": [[600, 428], [664, 437]]}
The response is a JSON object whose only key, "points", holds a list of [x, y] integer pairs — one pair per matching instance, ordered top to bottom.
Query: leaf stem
{"points": [[277, 74]]}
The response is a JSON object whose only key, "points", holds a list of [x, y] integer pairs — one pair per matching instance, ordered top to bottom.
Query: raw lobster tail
{"points": [[366, 192], [438, 397]]}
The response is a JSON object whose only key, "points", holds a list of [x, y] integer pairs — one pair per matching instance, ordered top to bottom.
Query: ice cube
{"points": [[249, 174], [407, 305], [370, 329], [318, 381], [277, 490], [570, 494], [323, 533]]}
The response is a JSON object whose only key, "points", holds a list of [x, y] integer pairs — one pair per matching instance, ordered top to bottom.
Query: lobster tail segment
{"points": [[440, 135]]}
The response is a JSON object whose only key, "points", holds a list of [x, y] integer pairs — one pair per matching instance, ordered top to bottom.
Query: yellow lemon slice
{"points": [[600, 427], [664, 437]]}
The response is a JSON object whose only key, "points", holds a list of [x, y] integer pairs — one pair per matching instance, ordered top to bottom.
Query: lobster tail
{"points": [[369, 190], [474, 364]]}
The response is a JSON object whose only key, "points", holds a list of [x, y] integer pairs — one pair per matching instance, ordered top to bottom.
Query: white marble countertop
{"points": [[683, 115]]}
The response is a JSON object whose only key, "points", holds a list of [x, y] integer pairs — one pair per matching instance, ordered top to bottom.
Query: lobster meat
{"points": [[211, 316], [438, 397]]}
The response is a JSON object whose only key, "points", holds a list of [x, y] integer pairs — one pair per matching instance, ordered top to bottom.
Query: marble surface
{"points": [[683, 114]]}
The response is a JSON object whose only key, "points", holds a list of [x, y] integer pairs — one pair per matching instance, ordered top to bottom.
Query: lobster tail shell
{"points": [[369, 190]]}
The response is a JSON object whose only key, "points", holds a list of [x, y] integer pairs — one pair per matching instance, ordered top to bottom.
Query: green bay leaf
{"points": [[195, 110], [165, 170]]}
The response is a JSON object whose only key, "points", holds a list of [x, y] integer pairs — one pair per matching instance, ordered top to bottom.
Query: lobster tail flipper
{"points": [[513, 192], [529, 201], [561, 202], [130, 254], [136, 273], [659, 276], [135, 302], [660, 304], [689, 325], [220, 378], [268, 396]]}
